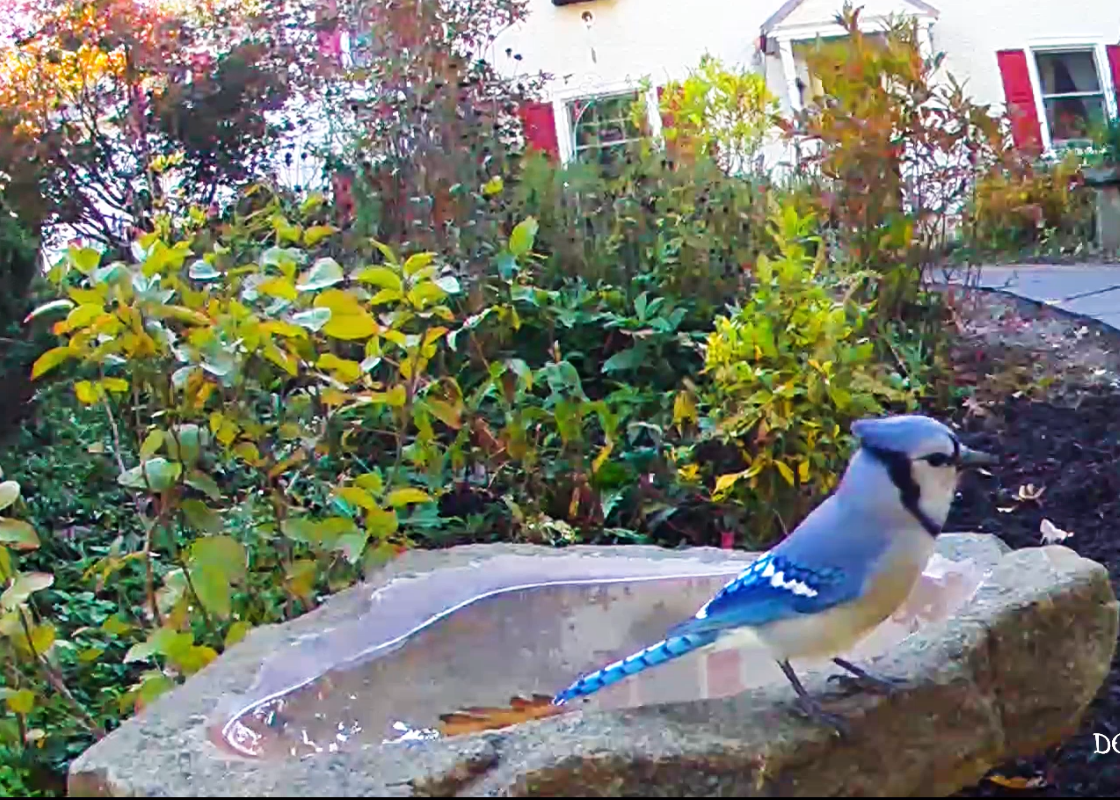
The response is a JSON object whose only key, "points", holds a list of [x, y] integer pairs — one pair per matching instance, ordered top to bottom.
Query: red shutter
{"points": [[1113, 51], [1017, 90], [540, 127]]}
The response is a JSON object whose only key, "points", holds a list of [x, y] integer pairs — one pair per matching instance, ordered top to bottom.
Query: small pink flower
{"points": [[727, 540]]}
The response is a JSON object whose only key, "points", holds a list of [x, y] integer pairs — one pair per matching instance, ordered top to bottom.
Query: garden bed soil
{"points": [[1047, 401]]}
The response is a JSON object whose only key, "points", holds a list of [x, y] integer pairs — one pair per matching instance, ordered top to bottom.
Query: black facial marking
{"points": [[898, 468]]}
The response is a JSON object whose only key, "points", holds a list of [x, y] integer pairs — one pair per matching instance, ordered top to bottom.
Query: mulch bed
{"points": [[1064, 441]]}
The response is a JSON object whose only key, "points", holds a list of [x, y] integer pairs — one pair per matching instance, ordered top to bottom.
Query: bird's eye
{"points": [[938, 459]]}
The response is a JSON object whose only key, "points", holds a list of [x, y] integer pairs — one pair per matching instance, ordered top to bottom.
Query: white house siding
{"points": [[629, 40]]}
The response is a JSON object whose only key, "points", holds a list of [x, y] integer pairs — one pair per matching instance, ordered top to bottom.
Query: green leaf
{"points": [[523, 236], [202, 270], [323, 273], [381, 277], [449, 284], [313, 319], [630, 358], [49, 360], [187, 443], [161, 475], [203, 483], [9, 493], [402, 497], [201, 517], [18, 534], [352, 544], [216, 562], [25, 585], [115, 625], [153, 687]]}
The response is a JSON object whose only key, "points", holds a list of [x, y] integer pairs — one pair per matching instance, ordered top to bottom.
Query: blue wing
{"points": [[774, 587]]}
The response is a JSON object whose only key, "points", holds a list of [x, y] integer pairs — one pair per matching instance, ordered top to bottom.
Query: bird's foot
{"points": [[862, 680], [813, 710]]}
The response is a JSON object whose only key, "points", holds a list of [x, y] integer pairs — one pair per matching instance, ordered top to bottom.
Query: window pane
{"points": [[1062, 73], [1074, 117], [602, 127]]}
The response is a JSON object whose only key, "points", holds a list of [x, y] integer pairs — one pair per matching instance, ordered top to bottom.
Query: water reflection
{"points": [[390, 674]]}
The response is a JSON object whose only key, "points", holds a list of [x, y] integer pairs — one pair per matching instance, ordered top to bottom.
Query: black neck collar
{"points": [[898, 467]]}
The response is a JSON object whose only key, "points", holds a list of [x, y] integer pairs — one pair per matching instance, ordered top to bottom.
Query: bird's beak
{"points": [[975, 458]]}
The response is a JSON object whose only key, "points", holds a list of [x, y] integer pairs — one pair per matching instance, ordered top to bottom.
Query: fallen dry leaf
{"points": [[975, 407], [1030, 492], [1051, 533], [472, 720], [1018, 783]]}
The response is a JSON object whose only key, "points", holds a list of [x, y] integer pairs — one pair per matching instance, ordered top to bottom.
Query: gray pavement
{"points": [[1089, 289]]}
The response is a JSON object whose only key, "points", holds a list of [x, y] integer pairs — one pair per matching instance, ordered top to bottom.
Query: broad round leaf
{"points": [[323, 273], [49, 360], [9, 493], [18, 534], [25, 584]]}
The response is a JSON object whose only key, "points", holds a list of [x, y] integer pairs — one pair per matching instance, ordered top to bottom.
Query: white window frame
{"points": [[1068, 45], [562, 96]]}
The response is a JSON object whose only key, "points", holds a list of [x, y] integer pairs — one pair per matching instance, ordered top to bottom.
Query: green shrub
{"points": [[789, 371]]}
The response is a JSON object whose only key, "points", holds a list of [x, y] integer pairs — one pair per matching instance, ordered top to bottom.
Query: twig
{"points": [[116, 432], [56, 681]]}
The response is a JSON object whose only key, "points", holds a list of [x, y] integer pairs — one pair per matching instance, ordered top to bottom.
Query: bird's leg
{"points": [[863, 679], [811, 706]]}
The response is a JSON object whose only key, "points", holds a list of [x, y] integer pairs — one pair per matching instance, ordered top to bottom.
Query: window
{"points": [[1072, 94], [604, 128]]}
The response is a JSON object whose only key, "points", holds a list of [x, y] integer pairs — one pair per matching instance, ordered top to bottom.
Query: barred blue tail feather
{"points": [[652, 656]]}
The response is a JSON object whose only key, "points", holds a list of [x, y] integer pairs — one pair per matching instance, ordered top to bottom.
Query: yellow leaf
{"points": [[316, 233], [417, 262], [381, 277], [279, 287], [85, 296], [386, 296], [339, 302], [182, 314], [83, 315], [350, 326], [281, 328], [280, 358], [49, 360], [345, 370], [117, 385], [88, 393], [397, 396], [333, 397], [684, 408], [248, 452], [604, 454], [786, 472], [803, 472], [724, 483], [356, 496], [402, 497], [237, 632], [21, 701]]}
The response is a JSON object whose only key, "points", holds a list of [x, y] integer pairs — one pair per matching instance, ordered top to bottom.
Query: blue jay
{"points": [[847, 567]]}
